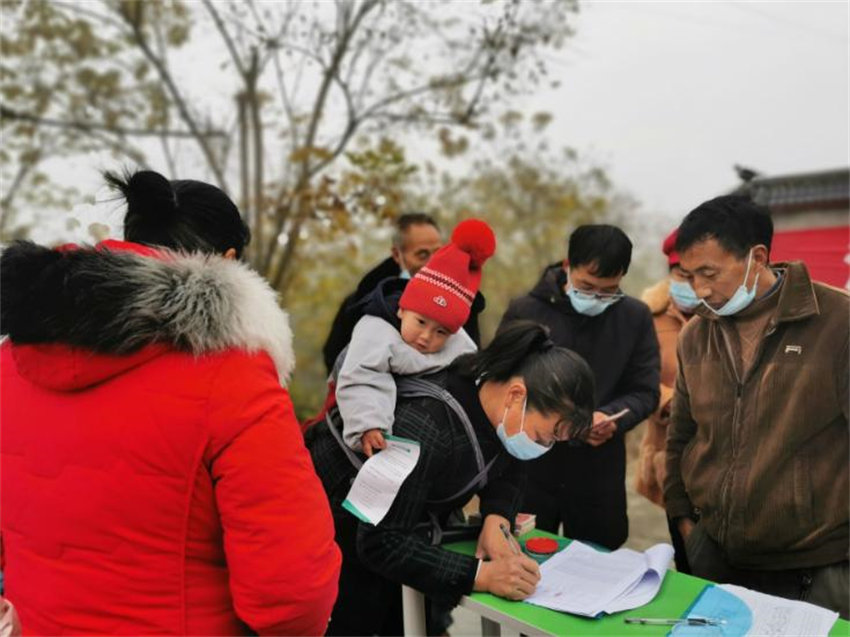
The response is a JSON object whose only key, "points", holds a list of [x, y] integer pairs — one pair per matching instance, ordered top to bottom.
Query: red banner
{"points": [[825, 251]]}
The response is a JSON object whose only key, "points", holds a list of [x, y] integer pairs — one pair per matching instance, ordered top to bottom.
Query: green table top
{"points": [[678, 591]]}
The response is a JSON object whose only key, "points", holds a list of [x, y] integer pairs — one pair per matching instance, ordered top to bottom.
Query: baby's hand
{"points": [[373, 440]]}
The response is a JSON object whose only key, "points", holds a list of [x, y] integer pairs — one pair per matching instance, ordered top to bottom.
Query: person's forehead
{"points": [[421, 235], [706, 253], [587, 273]]}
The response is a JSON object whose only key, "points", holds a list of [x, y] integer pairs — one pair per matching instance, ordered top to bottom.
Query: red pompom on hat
{"points": [[669, 248], [444, 289]]}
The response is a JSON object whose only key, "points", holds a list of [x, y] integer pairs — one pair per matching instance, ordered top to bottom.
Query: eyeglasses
{"points": [[602, 296]]}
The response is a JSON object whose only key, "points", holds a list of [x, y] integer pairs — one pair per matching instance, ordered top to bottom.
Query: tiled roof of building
{"points": [[817, 190]]}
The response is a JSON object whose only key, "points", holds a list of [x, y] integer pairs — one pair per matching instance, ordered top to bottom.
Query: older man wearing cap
{"points": [[671, 301]]}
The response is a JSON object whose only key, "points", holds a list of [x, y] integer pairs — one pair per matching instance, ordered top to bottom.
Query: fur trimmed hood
{"points": [[657, 296], [117, 299]]}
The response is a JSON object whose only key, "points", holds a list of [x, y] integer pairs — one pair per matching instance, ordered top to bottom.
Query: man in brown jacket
{"points": [[757, 449]]}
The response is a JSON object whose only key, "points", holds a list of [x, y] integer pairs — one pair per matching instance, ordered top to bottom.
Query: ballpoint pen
{"points": [[507, 535], [664, 621]]}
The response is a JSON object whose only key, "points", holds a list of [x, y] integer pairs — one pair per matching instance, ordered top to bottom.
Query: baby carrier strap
{"points": [[417, 387]]}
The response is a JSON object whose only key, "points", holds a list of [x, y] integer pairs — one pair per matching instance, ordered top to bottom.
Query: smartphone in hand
{"points": [[613, 417]]}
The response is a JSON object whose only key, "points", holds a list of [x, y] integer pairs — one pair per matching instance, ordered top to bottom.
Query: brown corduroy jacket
{"points": [[669, 321], [763, 459]]}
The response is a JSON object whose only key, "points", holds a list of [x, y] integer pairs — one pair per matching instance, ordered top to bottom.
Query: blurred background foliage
{"points": [[323, 120]]}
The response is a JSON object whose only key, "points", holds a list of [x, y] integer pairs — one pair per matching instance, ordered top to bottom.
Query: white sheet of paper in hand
{"points": [[380, 478], [778, 617]]}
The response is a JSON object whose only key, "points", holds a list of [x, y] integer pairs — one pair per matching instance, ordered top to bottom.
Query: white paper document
{"points": [[379, 479], [584, 581], [777, 617]]}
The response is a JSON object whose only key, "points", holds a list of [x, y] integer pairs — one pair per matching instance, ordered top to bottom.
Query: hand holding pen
{"points": [[509, 539], [508, 574]]}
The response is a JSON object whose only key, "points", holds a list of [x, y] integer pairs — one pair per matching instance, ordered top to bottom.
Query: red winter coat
{"points": [[159, 491]]}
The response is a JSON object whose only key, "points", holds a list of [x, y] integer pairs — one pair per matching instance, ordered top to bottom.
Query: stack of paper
{"points": [[584, 581]]}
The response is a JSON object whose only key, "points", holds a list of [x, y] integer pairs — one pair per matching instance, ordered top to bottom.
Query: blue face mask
{"points": [[405, 273], [683, 295], [742, 297], [590, 303], [519, 445]]}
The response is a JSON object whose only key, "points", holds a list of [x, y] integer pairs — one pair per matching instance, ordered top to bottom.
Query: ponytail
{"points": [[182, 215], [501, 360], [558, 380]]}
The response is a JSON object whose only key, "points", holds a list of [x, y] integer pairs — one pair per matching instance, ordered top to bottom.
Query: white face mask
{"points": [[519, 445]]}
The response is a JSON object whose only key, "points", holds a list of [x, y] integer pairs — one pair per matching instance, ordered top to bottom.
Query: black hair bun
{"points": [[148, 193]]}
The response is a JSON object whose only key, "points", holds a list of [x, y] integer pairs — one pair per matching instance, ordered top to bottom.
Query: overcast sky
{"points": [[669, 95]]}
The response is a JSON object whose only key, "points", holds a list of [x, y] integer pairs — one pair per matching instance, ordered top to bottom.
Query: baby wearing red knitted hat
{"points": [[437, 301], [433, 307]]}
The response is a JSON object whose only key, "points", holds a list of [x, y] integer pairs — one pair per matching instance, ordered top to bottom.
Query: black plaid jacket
{"points": [[396, 548]]}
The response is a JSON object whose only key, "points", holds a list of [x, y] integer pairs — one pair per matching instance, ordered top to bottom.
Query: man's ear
{"points": [[396, 255], [761, 255], [565, 264]]}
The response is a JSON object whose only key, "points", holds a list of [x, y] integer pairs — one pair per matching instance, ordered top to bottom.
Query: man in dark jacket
{"points": [[415, 239], [582, 484]]}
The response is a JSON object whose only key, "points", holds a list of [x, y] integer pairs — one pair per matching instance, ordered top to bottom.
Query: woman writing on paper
{"points": [[521, 395]]}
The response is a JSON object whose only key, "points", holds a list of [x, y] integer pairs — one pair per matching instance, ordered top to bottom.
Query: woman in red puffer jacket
{"points": [[154, 480]]}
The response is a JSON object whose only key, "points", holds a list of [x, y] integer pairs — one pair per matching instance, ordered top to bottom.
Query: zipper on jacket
{"points": [[739, 395], [726, 485]]}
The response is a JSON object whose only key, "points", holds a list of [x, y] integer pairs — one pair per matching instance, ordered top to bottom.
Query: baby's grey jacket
{"points": [[365, 388]]}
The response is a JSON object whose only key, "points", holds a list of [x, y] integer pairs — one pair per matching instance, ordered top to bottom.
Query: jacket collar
{"points": [[384, 270], [550, 289], [797, 299]]}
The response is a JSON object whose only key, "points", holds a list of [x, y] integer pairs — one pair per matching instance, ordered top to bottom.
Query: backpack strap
{"points": [[413, 387], [336, 430]]}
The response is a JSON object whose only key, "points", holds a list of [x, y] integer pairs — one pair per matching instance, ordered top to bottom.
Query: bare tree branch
{"points": [[81, 9], [135, 23], [347, 28], [225, 35], [454, 82], [253, 99], [287, 103], [353, 121], [87, 127], [169, 157], [9, 197], [245, 198]]}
